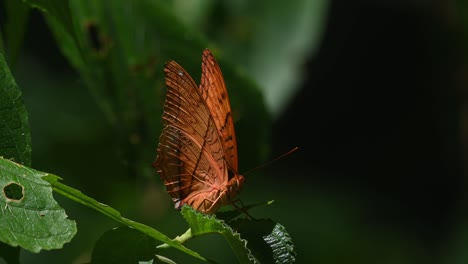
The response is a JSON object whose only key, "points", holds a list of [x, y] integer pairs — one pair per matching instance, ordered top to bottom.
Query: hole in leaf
{"points": [[93, 36], [97, 39], [13, 191]]}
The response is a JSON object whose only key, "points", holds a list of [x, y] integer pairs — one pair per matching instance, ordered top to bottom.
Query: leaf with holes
{"points": [[29, 215]]}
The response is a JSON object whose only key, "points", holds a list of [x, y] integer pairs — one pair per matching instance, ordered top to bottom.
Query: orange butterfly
{"points": [[197, 151]]}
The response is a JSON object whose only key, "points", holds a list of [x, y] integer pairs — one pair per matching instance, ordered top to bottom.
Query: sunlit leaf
{"points": [[29, 215]]}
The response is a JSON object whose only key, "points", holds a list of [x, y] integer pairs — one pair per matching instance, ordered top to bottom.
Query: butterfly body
{"points": [[197, 151]]}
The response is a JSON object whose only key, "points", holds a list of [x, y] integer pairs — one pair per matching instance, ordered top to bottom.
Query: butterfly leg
{"points": [[212, 205], [209, 206], [242, 208]]}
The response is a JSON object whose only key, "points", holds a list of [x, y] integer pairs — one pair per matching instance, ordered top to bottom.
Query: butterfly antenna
{"points": [[271, 161]]}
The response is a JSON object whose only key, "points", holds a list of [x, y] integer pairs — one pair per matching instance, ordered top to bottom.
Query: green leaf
{"points": [[15, 140], [110, 212], [29, 215], [201, 224], [268, 240], [281, 244], [123, 245]]}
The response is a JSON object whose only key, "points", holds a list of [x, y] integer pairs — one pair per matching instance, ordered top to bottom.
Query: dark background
{"points": [[378, 119], [378, 177]]}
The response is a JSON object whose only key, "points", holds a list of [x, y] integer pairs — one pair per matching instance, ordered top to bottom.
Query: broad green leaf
{"points": [[15, 140], [110, 212], [29, 215], [201, 224], [123, 245]]}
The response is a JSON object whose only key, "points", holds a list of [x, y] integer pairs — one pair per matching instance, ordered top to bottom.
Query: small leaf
{"points": [[15, 140], [29, 215], [201, 224], [268, 240], [281, 244], [124, 245]]}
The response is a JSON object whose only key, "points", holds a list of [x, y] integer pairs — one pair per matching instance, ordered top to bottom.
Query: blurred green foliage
{"points": [[117, 50]]}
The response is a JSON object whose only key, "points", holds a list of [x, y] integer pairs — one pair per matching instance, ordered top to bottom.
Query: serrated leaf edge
{"points": [[223, 224], [279, 238]]}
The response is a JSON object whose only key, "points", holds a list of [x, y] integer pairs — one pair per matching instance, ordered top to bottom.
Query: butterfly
{"points": [[197, 150]]}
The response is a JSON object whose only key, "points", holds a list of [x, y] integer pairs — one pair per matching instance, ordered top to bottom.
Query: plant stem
{"points": [[181, 239]]}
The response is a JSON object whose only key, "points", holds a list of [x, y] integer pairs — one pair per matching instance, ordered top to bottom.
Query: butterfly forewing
{"points": [[214, 92]]}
